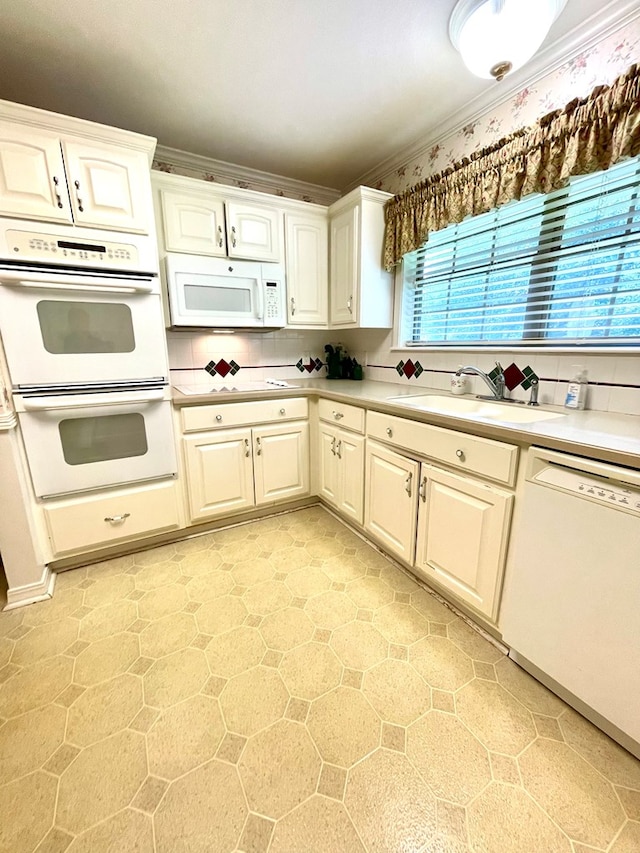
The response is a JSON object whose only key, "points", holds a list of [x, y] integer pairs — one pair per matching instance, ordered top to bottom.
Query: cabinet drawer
{"points": [[350, 417], [196, 418], [491, 459], [80, 524]]}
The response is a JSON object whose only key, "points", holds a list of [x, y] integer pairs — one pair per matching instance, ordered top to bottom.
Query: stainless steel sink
{"points": [[464, 407]]}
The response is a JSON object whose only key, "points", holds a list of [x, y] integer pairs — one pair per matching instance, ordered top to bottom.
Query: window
{"points": [[558, 269]]}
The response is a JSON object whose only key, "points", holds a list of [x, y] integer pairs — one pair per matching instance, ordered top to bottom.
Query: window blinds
{"points": [[561, 269]]}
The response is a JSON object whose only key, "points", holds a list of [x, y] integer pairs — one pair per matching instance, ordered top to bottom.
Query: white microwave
{"points": [[220, 293]]}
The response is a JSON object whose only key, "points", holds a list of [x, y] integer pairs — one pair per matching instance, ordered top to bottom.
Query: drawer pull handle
{"points": [[283, 411], [338, 415], [218, 418], [389, 432], [338, 446], [258, 447], [247, 452], [460, 455], [407, 484], [422, 491], [117, 519]]}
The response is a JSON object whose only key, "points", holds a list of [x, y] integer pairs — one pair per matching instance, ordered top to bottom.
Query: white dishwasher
{"points": [[571, 608]]}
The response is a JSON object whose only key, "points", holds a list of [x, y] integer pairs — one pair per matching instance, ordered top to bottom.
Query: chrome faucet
{"points": [[496, 385]]}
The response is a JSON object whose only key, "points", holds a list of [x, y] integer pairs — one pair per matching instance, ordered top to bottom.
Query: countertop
{"points": [[606, 436]]}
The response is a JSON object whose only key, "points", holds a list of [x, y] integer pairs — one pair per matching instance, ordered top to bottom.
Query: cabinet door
{"points": [[32, 178], [109, 186], [193, 224], [253, 231], [307, 262], [344, 268], [350, 453], [281, 462], [328, 464], [219, 473], [391, 496], [463, 528]]}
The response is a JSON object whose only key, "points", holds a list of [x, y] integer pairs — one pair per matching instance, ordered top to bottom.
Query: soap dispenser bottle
{"points": [[459, 383], [577, 390]]}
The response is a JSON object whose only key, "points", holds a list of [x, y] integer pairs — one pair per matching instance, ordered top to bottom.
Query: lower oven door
{"points": [[88, 441]]}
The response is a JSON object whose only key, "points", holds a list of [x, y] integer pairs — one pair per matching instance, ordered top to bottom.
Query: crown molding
{"points": [[594, 30], [230, 173]]}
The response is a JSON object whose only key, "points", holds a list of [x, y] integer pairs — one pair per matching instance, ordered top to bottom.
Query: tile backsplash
{"points": [[614, 379]]}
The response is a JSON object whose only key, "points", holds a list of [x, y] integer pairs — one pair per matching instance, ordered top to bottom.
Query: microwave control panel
{"points": [[51, 248], [273, 303]]}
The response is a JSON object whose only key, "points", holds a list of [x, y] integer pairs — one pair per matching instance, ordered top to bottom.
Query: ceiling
{"points": [[317, 90]]}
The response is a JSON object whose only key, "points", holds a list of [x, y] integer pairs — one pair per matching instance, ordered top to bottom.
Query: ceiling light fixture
{"points": [[495, 37]]}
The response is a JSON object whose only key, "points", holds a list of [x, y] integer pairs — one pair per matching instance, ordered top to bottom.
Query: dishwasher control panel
{"points": [[597, 489]]}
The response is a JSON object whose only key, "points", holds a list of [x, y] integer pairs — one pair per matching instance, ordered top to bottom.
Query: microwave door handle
{"points": [[63, 282], [260, 292], [81, 401]]}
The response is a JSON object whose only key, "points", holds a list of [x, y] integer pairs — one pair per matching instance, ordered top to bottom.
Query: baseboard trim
{"points": [[20, 596]]}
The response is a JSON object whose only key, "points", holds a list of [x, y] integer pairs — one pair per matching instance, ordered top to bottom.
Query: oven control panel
{"points": [[52, 248]]}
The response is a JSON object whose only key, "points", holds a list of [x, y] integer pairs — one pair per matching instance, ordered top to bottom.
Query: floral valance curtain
{"points": [[586, 136]]}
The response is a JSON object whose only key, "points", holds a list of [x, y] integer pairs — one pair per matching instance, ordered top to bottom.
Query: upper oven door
{"points": [[210, 292], [61, 330]]}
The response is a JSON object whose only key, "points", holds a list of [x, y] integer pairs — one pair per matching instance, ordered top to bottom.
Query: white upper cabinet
{"points": [[59, 169], [32, 176], [108, 186], [208, 219], [193, 224], [253, 231], [307, 260], [361, 291]]}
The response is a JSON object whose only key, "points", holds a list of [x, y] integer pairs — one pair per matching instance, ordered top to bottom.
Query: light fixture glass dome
{"points": [[495, 37]]}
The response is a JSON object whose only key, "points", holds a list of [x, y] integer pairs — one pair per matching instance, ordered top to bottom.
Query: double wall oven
{"points": [[83, 335]]}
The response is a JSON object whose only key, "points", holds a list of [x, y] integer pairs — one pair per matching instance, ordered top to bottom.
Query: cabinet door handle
{"points": [[77, 186], [57, 192], [220, 236], [233, 236], [349, 304], [293, 306], [338, 415], [218, 418], [389, 432], [333, 445], [258, 447], [338, 447], [247, 452], [460, 455], [407, 484], [422, 491], [117, 519]]}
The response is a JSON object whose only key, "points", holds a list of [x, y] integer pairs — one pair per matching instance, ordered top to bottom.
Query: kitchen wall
{"points": [[614, 378]]}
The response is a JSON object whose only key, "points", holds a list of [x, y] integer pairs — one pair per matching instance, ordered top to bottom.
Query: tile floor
{"points": [[280, 686]]}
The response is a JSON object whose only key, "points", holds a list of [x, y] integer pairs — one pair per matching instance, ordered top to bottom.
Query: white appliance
{"points": [[220, 293], [73, 327], [83, 332], [79, 442], [571, 608]]}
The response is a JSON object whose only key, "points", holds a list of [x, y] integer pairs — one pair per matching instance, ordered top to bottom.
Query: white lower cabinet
{"points": [[234, 469], [341, 470], [391, 500], [106, 518], [451, 528], [463, 530]]}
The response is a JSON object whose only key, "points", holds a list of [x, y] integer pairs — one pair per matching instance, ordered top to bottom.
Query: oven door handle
{"points": [[50, 281], [82, 401]]}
